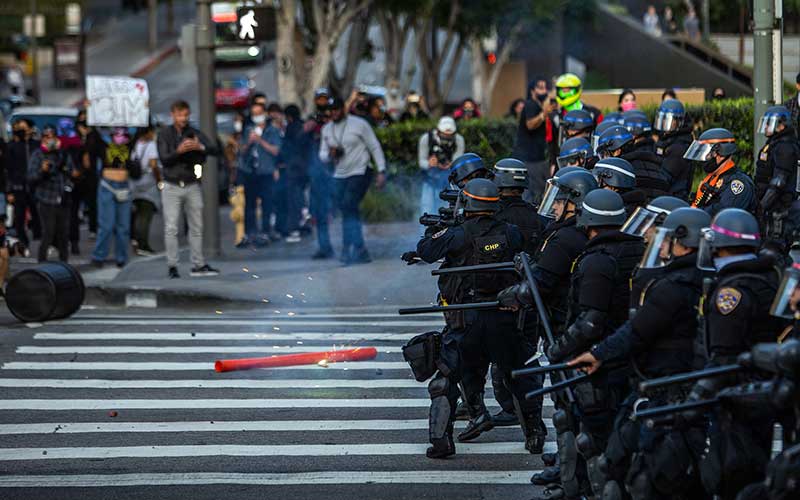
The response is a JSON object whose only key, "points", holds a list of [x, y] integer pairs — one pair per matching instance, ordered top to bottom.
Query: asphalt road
{"points": [[126, 404]]}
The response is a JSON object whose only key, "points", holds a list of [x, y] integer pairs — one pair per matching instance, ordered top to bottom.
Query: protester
{"points": [[651, 21], [668, 94], [627, 101], [415, 108], [515, 109], [467, 111], [377, 115], [348, 142], [530, 142], [231, 148], [294, 149], [182, 150], [436, 150], [91, 153], [258, 172], [50, 178], [320, 178], [19, 193], [146, 195], [114, 199], [278, 205]]}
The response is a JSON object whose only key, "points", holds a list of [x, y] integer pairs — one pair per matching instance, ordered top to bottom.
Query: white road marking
{"points": [[287, 313], [250, 322], [330, 337], [140, 349], [207, 366], [78, 383], [221, 426], [304, 450], [267, 479]]}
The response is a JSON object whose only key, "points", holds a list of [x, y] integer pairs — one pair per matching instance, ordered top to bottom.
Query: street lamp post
{"points": [[34, 54], [767, 62], [208, 124]]}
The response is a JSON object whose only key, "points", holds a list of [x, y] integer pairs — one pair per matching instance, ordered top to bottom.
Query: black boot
{"points": [[505, 419], [476, 427], [537, 434], [442, 448], [549, 459], [550, 475]]}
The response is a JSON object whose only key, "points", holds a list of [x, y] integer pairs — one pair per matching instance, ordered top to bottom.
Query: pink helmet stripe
{"points": [[734, 234]]}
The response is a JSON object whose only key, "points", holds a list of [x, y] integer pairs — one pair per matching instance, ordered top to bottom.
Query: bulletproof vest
{"points": [[680, 140], [440, 149], [767, 163], [650, 177], [517, 211], [571, 241], [486, 243], [626, 252], [760, 281]]}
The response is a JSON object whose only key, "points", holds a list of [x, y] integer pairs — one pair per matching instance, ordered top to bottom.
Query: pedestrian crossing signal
{"points": [[256, 24]]}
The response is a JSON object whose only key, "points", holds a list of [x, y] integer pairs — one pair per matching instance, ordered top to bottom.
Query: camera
{"points": [[337, 153]]}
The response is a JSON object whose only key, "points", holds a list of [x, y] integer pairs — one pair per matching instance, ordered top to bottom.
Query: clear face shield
{"points": [[666, 122], [768, 124], [698, 151], [571, 160], [554, 201], [641, 222], [659, 250], [705, 255], [785, 303]]}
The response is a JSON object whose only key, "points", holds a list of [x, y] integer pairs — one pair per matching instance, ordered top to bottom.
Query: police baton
{"points": [[498, 266], [452, 307], [544, 369], [655, 383], [564, 384], [659, 411]]}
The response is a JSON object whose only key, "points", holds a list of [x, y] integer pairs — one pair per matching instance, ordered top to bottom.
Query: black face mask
{"points": [[541, 97], [20, 133], [710, 165]]}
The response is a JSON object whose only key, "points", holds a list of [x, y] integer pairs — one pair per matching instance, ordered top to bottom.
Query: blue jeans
{"points": [[433, 183], [257, 187], [349, 193], [321, 202], [280, 205], [113, 220]]}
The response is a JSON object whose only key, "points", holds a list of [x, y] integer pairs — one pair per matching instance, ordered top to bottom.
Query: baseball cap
{"points": [[446, 125]]}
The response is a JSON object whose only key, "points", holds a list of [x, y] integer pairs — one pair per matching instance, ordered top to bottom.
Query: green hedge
{"points": [[493, 138]]}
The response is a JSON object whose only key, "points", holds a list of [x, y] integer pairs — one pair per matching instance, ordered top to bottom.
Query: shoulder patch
{"points": [[660, 151], [737, 187], [440, 233], [727, 300]]}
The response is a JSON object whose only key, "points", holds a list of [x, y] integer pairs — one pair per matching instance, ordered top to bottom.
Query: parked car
{"points": [[233, 93], [63, 118]]}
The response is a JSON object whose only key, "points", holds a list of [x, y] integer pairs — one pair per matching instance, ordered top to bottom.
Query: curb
{"points": [[155, 61], [156, 297]]}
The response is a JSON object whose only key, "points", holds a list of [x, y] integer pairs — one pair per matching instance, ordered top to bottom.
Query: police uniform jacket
{"points": [[671, 147], [778, 160], [650, 175], [734, 189], [514, 210]]}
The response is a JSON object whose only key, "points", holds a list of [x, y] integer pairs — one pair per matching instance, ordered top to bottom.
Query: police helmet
{"points": [[568, 90], [670, 116], [774, 116], [614, 117], [577, 120], [636, 122], [604, 125], [613, 139], [716, 140], [574, 152], [466, 165], [566, 170], [615, 172], [510, 173], [569, 187], [479, 195], [601, 207], [652, 215], [684, 225], [730, 228]]}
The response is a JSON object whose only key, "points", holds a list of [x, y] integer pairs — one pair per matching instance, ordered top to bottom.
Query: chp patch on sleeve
{"points": [[737, 187], [727, 300]]}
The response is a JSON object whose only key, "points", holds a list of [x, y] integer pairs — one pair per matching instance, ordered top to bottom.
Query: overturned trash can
{"points": [[46, 292]]}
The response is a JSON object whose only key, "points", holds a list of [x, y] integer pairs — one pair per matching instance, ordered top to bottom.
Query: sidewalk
{"points": [[118, 46], [281, 275]]}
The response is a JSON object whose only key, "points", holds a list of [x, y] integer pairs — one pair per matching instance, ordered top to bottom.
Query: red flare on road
{"points": [[306, 358]]}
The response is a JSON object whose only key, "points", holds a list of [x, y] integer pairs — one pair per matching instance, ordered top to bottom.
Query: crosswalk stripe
{"points": [[288, 313], [251, 322], [330, 337], [139, 349], [207, 366], [212, 384], [194, 404], [221, 426], [304, 450], [267, 479]]}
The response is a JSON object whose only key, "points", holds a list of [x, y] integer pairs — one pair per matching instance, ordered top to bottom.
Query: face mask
{"points": [[541, 97], [629, 105], [258, 120], [237, 126], [20, 133], [120, 139], [710, 165]]}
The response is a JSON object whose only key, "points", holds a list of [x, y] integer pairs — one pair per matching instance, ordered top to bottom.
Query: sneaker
{"points": [[275, 236], [294, 237], [262, 240], [243, 243], [144, 252], [323, 254], [120, 265], [204, 271], [173, 273], [549, 475]]}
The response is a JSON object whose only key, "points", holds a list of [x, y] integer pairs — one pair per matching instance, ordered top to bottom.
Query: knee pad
{"points": [[439, 386], [561, 421], [585, 445], [568, 461], [640, 487]]}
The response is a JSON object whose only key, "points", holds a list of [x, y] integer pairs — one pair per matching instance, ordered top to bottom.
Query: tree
{"points": [[398, 21]]}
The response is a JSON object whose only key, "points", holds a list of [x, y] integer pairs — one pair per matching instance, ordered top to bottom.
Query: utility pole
{"points": [[706, 20], [152, 25], [34, 54], [767, 62], [208, 124]]}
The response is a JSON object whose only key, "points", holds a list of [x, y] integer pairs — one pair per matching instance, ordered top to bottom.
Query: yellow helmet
{"points": [[568, 90]]}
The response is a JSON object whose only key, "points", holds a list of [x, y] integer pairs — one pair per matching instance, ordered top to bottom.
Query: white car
{"points": [[62, 118]]}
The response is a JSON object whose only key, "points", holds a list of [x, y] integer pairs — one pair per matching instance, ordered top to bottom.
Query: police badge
{"points": [[737, 187], [727, 300]]}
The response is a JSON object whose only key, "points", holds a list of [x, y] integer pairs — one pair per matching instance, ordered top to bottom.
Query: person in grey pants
{"points": [[181, 148]]}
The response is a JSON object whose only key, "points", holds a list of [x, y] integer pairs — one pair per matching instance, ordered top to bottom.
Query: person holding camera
{"points": [[348, 142], [530, 143], [182, 150], [436, 151], [50, 174]]}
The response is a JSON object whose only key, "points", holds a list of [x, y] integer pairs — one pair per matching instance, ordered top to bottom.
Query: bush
{"points": [[397, 201]]}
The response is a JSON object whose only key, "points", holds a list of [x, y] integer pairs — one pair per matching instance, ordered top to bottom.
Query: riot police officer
{"points": [[576, 123], [638, 124], [600, 129], [674, 138], [574, 152], [467, 167], [776, 172], [618, 175], [511, 179], [653, 180], [725, 186], [735, 316], [472, 338], [658, 340]]}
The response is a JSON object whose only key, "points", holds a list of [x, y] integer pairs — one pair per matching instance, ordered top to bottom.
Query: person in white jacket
{"points": [[436, 151]]}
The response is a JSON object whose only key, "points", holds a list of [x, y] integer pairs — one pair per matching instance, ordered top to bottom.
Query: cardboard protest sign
{"points": [[117, 101]]}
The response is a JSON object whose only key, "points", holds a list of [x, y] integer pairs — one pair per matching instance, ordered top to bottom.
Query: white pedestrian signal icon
{"points": [[246, 23]]}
